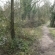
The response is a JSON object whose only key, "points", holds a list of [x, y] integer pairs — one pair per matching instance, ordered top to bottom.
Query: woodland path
{"points": [[47, 43]]}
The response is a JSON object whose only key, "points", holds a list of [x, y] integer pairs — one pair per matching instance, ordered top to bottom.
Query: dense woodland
{"points": [[20, 25]]}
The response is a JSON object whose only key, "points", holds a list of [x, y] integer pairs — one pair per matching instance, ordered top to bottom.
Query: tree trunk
{"points": [[12, 20]]}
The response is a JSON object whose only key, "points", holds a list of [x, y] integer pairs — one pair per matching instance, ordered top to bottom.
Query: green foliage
{"points": [[25, 8], [27, 18], [52, 19], [52, 24], [21, 43], [12, 46]]}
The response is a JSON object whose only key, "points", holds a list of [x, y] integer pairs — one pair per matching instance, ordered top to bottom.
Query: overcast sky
{"points": [[52, 1], [2, 2]]}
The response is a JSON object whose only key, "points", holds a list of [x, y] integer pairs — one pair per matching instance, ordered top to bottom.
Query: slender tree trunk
{"points": [[12, 20]]}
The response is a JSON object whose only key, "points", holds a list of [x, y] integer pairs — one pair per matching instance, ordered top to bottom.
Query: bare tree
{"points": [[12, 20]]}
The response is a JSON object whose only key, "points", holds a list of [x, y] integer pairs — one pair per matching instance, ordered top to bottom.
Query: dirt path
{"points": [[47, 44]]}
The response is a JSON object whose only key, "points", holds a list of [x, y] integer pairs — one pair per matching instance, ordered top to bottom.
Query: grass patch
{"points": [[34, 31], [52, 31], [38, 32]]}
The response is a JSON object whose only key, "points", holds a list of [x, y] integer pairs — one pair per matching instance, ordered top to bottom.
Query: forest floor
{"points": [[47, 43]]}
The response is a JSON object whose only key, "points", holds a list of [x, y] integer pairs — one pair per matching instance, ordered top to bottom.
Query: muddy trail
{"points": [[47, 43]]}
